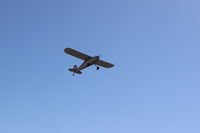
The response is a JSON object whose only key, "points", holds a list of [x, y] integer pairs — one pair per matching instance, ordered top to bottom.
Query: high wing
{"points": [[77, 54], [104, 64]]}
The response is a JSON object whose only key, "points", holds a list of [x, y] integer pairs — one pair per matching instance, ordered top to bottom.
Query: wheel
{"points": [[97, 68]]}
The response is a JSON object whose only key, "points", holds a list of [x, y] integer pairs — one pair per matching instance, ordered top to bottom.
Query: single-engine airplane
{"points": [[87, 61]]}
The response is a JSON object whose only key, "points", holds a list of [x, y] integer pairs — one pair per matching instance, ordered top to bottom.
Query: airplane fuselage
{"points": [[88, 62]]}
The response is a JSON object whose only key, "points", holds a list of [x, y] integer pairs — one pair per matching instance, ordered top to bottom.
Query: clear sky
{"points": [[153, 88]]}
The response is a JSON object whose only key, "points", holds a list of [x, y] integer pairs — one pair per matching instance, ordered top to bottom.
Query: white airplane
{"points": [[88, 61]]}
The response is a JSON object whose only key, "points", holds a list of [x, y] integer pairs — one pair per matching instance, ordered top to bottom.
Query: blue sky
{"points": [[154, 86]]}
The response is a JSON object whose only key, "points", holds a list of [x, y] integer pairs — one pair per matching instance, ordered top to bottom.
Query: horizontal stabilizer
{"points": [[75, 71]]}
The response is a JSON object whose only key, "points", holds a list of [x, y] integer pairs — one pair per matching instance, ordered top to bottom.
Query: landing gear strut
{"points": [[97, 67]]}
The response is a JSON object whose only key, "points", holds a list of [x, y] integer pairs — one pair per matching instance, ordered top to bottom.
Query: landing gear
{"points": [[97, 68], [73, 74]]}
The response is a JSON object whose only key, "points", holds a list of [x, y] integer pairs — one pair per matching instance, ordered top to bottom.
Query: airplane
{"points": [[87, 61]]}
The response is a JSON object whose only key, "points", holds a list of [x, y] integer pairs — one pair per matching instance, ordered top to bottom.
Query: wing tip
{"points": [[66, 50], [111, 65]]}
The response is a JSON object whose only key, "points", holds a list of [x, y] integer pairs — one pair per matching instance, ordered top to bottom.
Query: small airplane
{"points": [[87, 61]]}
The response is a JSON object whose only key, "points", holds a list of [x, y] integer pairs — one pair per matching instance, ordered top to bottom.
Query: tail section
{"points": [[75, 70]]}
